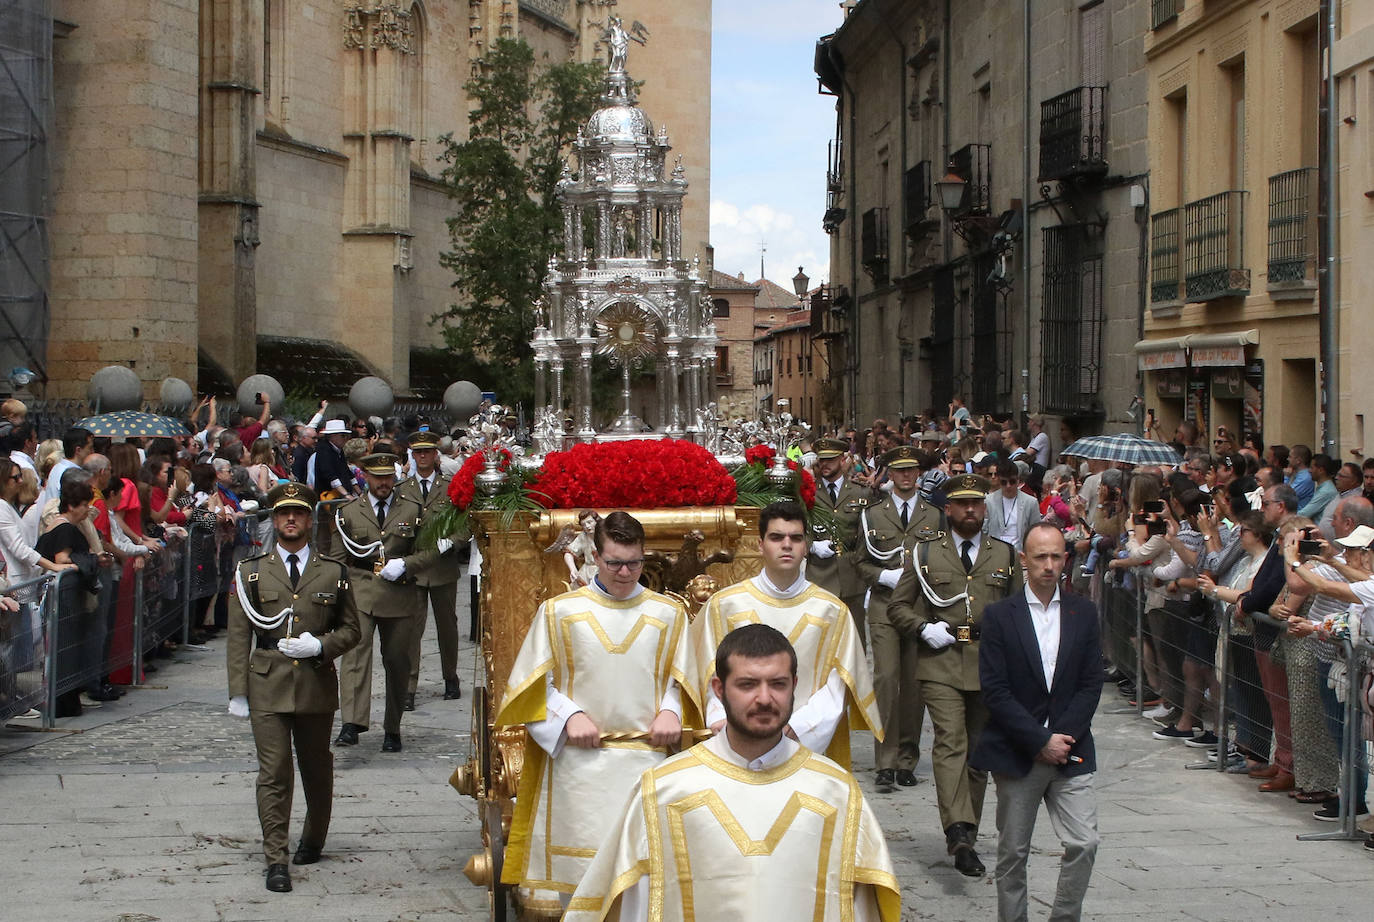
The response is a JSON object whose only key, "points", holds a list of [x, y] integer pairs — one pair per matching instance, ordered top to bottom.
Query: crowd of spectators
{"points": [[169, 516], [1273, 540]]}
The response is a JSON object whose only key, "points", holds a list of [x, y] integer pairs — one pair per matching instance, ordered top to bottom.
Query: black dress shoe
{"points": [[453, 689], [410, 702], [348, 735], [391, 742], [906, 777], [885, 780], [306, 854], [966, 861], [278, 878]]}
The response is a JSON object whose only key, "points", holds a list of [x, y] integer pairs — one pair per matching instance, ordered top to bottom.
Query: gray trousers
{"points": [[1072, 807]]}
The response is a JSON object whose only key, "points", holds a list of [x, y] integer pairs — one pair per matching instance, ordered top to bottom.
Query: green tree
{"points": [[506, 224]]}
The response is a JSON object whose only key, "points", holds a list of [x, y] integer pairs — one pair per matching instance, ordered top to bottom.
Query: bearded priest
{"points": [[831, 668], [599, 685], [747, 825]]}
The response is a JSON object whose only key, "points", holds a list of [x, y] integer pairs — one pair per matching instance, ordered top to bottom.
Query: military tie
{"points": [[424, 488], [834, 494], [381, 513], [906, 514], [964, 556], [292, 566]]}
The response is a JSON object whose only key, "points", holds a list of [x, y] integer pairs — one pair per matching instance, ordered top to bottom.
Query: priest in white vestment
{"points": [[834, 684], [599, 685], [747, 825]]}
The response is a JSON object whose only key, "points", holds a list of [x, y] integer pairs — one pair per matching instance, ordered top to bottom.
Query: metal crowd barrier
{"points": [[25, 660]]}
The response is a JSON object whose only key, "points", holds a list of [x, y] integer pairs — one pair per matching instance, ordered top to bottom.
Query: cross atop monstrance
{"points": [[630, 295]]}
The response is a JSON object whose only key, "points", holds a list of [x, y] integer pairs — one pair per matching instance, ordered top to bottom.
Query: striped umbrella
{"points": [[132, 424], [1123, 448]]}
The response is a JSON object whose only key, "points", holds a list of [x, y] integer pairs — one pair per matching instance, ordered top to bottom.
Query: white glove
{"points": [[444, 545], [822, 549], [395, 568], [889, 578], [937, 635], [302, 647], [238, 706]]}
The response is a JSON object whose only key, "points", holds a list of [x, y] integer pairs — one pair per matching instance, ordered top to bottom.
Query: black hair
{"points": [[73, 440], [789, 510], [620, 527], [752, 641]]}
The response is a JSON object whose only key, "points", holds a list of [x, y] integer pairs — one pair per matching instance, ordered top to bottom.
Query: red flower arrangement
{"points": [[759, 454], [637, 474], [462, 488]]}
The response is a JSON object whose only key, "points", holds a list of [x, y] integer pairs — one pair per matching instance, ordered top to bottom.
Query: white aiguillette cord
{"points": [[356, 549], [929, 593], [256, 617]]}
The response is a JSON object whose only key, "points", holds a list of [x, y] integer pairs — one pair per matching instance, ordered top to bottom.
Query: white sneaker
{"points": [[88, 702], [1160, 710]]}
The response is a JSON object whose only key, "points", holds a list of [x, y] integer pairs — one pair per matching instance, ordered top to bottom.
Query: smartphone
{"points": [[259, 398], [1152, 412], [859, 466], [1154, 505], [1139, 518], [1156, 527]]}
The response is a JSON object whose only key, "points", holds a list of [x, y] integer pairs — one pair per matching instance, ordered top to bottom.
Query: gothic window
{"points": [[416, 75]]}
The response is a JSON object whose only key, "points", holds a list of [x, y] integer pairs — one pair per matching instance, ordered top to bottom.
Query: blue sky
{"points": [[769, 129]]}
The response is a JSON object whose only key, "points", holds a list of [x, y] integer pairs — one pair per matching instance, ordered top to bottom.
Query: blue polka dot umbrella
{"points": [[132, 424]]}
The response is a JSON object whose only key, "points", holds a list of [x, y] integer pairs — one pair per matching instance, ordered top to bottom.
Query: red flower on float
{"points": [[759, 454], [636, 474], [463, 487]]}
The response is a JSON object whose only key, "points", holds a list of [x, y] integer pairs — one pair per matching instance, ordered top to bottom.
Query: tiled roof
{"points": [[722, 281]]}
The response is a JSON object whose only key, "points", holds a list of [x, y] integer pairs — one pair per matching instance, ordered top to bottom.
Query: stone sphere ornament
{"points": [[260, 384], [114, 388], [176, 395], [371, 396], [462, 399]]}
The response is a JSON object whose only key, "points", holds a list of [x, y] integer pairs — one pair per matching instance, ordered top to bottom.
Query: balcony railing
{"points": [[1162, 11], [1073, 134], [973, 164], [834, 165], [916, 200], [1293, 226], [873, 243], [1214, 248], [1164, 270], [1072, 320]]}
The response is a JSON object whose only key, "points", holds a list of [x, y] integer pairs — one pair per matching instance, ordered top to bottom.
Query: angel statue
{"points": [[619, 41], [578, 542], [679, 569]]}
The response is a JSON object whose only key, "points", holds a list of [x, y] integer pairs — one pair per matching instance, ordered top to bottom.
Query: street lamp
{"points": [[951, 190], [800, 284]]}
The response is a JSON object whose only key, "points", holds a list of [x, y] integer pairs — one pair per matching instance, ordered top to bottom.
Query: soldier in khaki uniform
{"points": [[378, 531], [889, 532], [831, 563], [438, 584], [940, 598], [292, 615]]}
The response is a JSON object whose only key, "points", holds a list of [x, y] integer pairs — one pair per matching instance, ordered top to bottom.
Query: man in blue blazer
{"points": [[1040, 666]]}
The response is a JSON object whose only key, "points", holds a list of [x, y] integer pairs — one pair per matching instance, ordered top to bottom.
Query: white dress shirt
{"points": [[1011, 520], [302, 558], [1045, 619]]}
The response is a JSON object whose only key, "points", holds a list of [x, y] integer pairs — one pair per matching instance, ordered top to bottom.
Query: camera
{"points": [[1309, 548]]}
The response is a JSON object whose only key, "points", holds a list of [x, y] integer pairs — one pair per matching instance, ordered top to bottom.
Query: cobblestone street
{"points": [[143, 810]]}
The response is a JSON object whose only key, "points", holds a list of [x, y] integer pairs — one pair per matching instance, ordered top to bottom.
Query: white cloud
{"points": [[737, 231]]}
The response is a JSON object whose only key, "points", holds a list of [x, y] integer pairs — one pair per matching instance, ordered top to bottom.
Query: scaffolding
{"points": [[26, 108]]}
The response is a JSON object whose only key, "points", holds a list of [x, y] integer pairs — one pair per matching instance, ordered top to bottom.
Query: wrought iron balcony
{"points": [[1162, 11], [1073, 136], [973, 164], [834, 165], [916, 200], [1293, 227], [873, 246], [1214, 248], [1164, 269], [1072, 319]]}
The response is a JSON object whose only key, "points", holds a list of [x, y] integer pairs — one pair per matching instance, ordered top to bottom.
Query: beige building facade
{"points": [[1353, 62], [238, 172], [1231, 336]]}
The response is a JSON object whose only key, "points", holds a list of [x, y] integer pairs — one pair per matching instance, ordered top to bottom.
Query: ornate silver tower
{"points": [[630, 295]]}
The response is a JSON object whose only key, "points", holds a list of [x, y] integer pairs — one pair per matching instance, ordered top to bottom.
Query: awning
{"points": [[1204, 349], [1220, 349], [1158, 354]]}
